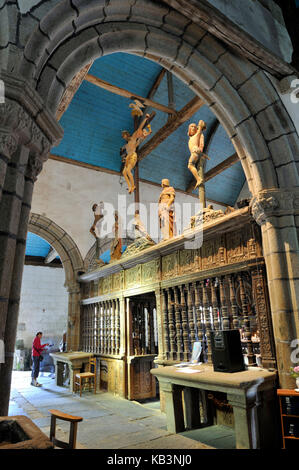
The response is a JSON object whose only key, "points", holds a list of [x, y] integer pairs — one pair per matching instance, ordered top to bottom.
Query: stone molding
{"points": [[24, 120], [8, 143], [274, 202]]}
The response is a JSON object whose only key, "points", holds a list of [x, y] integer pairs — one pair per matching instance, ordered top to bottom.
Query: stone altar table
{"points": [[75, 361], [251, 393]]}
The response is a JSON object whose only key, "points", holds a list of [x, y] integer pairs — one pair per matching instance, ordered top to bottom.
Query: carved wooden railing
{"points": [[233, 301], [101, 327], [144, 337]]}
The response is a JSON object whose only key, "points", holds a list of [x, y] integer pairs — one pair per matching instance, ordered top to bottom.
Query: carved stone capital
{"points": [[24, 114], [8, 143], [34, 167], [274, 202], [73, 287]]}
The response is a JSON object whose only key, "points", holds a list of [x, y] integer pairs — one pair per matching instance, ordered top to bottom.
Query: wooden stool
{"points": [[74, 420]]}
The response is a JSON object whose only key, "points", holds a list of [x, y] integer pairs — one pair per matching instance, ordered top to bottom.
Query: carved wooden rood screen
{"points": [[234, 301], [148, 309], [101, 327]]}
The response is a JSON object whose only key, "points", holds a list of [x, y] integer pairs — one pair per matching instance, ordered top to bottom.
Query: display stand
{"points": [[287, 413]]}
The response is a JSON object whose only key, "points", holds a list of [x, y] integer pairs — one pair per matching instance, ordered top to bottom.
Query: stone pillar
{"points": [[27, 132], [276, 211], [74, 316]]}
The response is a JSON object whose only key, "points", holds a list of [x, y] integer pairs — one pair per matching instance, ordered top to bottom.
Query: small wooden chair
{"points": [[89, 376], [74, 420]]}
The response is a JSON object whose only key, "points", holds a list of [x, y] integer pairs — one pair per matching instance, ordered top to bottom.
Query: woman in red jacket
{"points": [[37, 349]]}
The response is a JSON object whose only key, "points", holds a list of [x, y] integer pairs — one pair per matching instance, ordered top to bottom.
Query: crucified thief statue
{"points": [[133, 141], [197, 157], [94, 229]]}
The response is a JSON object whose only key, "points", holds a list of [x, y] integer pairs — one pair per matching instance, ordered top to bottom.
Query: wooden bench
{"points": [[73, 420]]}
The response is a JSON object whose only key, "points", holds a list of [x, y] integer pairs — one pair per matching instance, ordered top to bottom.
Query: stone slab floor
{"points": [[109, 422]]}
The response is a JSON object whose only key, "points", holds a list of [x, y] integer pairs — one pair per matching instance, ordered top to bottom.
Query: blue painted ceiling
{"points": [[95, 118], [37, 246]]}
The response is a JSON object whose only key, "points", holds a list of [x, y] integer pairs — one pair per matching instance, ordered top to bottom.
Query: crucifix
{"points": [[142, 129]]}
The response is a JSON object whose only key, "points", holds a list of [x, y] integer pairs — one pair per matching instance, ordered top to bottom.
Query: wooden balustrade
{"points": [[189, 312]]}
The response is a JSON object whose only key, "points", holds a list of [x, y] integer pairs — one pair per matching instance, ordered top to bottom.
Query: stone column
{"points": [[27, 132], [276, 211], [74, 316]]}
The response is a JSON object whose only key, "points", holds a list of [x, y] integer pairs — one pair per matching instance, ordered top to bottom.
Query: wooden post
{"points": [[233, 302], [224, 308], [190, 315], [207, 319], [246, 320], [216, 322], [165, 324], [185, 324], [171, 325], [178, 325]]}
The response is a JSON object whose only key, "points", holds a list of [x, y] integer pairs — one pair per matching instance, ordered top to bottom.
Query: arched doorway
{"points": [[72, 263]]}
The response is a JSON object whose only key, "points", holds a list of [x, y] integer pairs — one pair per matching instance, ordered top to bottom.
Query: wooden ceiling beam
{"points": [[156, 84], [71, 90], [128, 94], [182, 116], [227, 163], [51, 256]]}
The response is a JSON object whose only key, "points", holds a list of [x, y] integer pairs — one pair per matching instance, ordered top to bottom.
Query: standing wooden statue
{"points": [[133, 141], [197, 157], [166, 210], [94, 229], [116, 244]]}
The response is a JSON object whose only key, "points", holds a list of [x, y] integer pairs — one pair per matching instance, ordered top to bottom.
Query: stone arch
{"points": [[240, 94], [73, 265]]}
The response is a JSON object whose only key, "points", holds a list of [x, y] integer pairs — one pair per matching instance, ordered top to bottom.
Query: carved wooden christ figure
{"points": [[133, 141], [197, 157], [166, 210]]}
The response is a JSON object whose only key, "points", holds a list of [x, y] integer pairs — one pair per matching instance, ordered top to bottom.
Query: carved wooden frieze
{"points": [[236, 244], [213, 253], [187, 261], [170, 266], [150, 272], [133, 277], [117, 281], [107, 284], [264, 317]]}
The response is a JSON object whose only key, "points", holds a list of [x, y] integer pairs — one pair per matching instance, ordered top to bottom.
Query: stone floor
{"points": [[109, 422]]}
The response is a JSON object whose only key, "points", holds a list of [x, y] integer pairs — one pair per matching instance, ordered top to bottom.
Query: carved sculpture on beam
{"points": [[133, 141], [197, 157], [166, 210], [94, 229], [142, 238], [116, 244]]}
